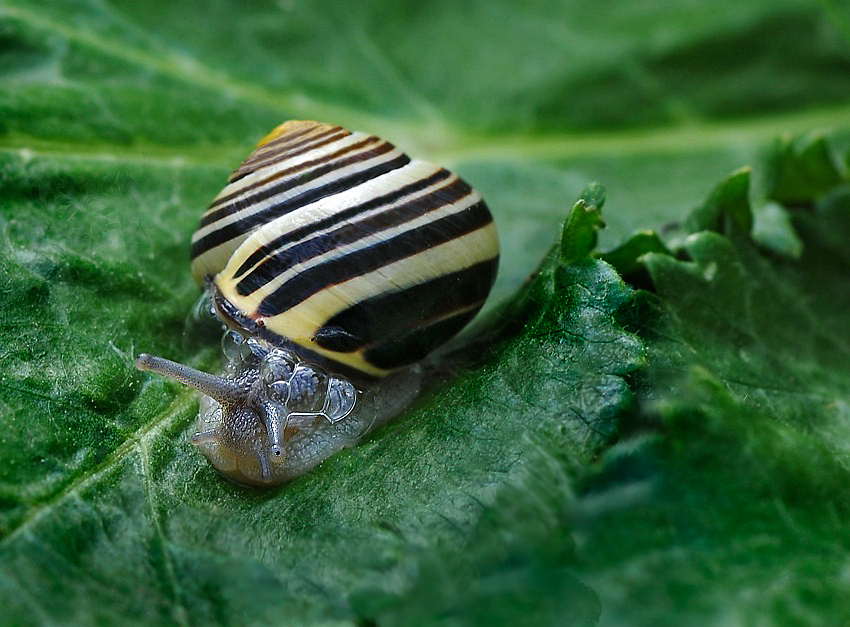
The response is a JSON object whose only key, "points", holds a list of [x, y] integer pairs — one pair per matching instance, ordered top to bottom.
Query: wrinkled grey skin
{"points": [[270, 417]]}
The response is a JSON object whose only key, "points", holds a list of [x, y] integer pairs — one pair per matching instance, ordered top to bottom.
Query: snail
{"points": [[337, 263]]}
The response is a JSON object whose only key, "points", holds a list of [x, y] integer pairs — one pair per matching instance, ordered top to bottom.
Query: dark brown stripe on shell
{"points": [[284, 147], [297, 175], [341, 216], [246, 225], [350, 233], [362, 261], [391, 317], [235, 319], [414, 346]]}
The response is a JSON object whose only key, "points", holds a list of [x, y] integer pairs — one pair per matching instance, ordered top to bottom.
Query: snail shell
{"points": [[340, 262]]}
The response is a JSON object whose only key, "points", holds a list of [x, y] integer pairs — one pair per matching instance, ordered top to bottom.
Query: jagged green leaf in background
{"points": [[579, 235], [736, 504]]}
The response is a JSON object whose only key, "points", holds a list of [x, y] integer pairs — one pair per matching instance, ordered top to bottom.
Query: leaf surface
{"points": [[602, 450]]}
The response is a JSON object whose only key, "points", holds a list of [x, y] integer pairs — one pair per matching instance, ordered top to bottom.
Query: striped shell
{"points": [[341, 244], [337, 262]]}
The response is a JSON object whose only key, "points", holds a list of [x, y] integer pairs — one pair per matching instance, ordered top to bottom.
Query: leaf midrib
{"points": [[464, 148], [133, 444]]}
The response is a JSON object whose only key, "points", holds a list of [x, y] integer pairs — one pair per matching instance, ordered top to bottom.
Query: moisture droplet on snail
{"points": [[337, 263]]}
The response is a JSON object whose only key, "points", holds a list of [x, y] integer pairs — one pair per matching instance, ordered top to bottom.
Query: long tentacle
{"points": [[221, 389]]}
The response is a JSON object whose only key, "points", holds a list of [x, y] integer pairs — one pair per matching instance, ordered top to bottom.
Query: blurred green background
{"points": [[120, 120]]}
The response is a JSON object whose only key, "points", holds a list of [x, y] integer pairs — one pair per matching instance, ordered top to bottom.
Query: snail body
{"points": [[340, 263]]}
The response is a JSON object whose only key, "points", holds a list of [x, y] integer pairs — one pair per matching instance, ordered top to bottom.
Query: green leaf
{"points": [[803, 169], [727, 207], [773, 229], [578, 237], [627, 257], [580, 460], [155, 504], [737, 512]]}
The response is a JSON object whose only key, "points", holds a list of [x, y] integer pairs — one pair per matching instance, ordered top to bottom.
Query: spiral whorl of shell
{"points": [[339, 243]]}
